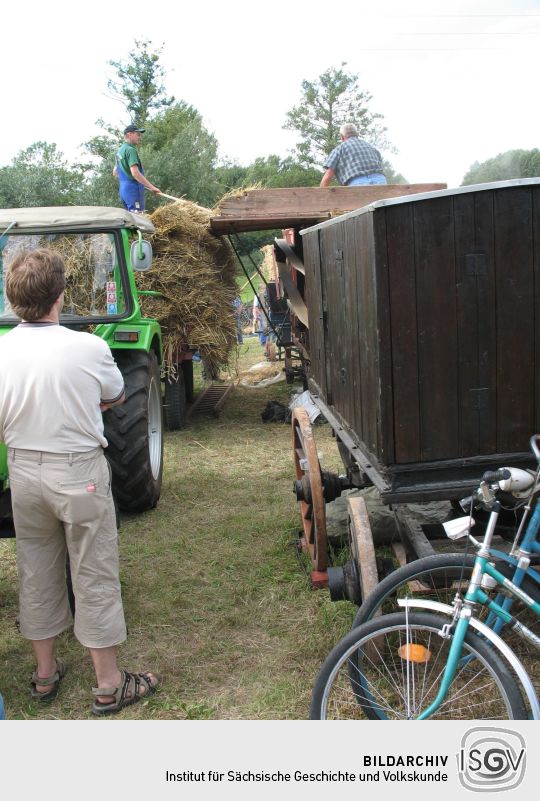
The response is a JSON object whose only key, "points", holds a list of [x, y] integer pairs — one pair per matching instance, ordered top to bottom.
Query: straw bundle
{"points": [[89, 263], [268, 267], [194, 272], [260, 372]]}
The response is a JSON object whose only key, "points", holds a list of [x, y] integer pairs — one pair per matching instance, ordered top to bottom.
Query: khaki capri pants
{"points": [[64, 501]]}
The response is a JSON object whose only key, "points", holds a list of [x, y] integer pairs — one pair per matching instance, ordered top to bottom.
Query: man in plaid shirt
{"points": [[354, 161]]}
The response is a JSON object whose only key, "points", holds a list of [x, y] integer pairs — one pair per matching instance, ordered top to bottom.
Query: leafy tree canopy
{"points": [[139, 83], [139, 87], [326, 103], [180, 154], [511, 164], [273, 171], [268, 172], [40, 176], [392, 176]]}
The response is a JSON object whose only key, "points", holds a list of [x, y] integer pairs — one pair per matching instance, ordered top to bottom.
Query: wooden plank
{"points": [[259, 209], [226, 225], [469, 264], [536, 274], [333, 281], [381, 282], [296, 301], [315, 303], [352, 312], [515, 321], [487, 324], [368, 330], [476, 331], [404, 333], [437, 335], [412, 534], [362, 545]]}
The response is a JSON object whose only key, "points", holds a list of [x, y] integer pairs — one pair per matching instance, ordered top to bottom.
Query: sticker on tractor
{"points": [[111, 286], [111, 297], [112, 308]]}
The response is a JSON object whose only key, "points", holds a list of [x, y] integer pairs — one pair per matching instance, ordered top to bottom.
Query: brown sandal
{"points": [[55, 679], [127, 693]]}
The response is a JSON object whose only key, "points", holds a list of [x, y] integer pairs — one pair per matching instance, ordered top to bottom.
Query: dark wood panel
{"points": [[326, 238], [536, 279], [381, 282], [314, 302], [354, 311], [515, 321], [487, 323], [367, 328], [476, 330], [404, 332], [437, 334], [338, 336], [351, 344], [431, 355]]}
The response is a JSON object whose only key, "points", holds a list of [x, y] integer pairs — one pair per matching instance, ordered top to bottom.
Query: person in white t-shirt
{"points": [[55, 384]]}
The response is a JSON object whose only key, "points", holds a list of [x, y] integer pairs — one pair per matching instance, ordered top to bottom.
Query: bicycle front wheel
{"points": [[438, 578], [393, 666]]}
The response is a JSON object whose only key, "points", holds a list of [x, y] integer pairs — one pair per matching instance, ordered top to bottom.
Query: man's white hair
{"points": [[348, 129]]}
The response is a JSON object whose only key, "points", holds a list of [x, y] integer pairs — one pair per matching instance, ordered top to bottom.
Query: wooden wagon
{"points": [[424, 353]]}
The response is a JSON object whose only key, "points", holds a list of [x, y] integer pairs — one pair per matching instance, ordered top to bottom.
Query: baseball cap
{"points": [[133, 129]]}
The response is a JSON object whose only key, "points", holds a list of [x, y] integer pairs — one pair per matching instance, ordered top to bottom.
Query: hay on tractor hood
{"points": [[194, 271]]}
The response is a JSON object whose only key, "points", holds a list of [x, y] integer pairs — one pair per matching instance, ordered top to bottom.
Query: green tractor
{"points": [[102, 247]]}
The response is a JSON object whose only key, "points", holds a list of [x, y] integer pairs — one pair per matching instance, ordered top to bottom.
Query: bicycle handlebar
{"points": [[534, 443], [494, 476]]}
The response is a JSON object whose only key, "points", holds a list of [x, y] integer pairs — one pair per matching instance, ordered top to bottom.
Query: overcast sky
{"points": [[455, 81]]}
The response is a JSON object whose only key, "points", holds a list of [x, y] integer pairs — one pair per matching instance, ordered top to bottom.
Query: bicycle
{"points": [[421, 665]]}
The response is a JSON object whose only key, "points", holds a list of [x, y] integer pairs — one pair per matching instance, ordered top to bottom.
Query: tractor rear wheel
{"points": [[134, 431]]}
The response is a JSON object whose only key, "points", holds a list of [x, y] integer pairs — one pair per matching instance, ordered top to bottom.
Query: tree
{"points": [[139, 85], [331, 100], [180, 154], [504, 166], [273, 171], [267, 172], [391, 175], [40, 176]]}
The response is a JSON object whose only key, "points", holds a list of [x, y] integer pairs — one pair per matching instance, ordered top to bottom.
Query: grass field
{"points": [[216, 596]]}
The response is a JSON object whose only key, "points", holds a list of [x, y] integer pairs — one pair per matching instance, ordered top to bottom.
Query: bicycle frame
{"points": [[462, 611]]}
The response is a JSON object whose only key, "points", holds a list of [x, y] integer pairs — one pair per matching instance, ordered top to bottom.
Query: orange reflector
{"points": [[411, 652]]}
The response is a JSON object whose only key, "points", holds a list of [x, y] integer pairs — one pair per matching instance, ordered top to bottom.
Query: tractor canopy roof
{"points": [[73, 218]]}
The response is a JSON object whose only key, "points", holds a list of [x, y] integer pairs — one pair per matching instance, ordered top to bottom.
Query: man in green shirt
{"points": [[129, 171]]}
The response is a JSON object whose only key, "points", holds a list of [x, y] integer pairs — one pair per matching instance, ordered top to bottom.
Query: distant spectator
{"points": [[238, 306], [258, 321]]}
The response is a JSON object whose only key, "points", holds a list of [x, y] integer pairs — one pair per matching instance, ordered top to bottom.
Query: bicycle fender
{"points": [[490, 635]]}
